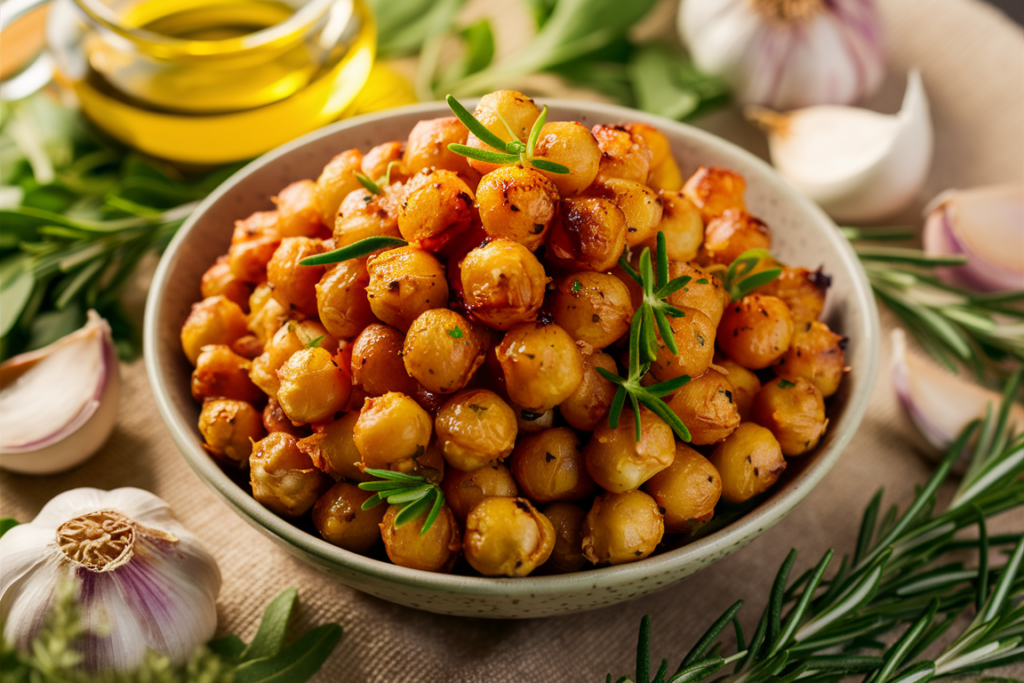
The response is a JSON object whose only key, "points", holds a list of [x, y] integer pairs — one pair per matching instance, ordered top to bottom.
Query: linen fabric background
{"points": [[972, 60]]}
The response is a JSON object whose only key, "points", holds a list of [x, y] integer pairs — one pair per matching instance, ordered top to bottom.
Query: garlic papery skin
{"points": [[786, 54], [858, 165], [986, 225], [58, 404], [145, 582]]}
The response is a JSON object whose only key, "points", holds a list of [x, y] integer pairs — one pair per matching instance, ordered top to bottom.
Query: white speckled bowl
{"points": [[801, 232]]}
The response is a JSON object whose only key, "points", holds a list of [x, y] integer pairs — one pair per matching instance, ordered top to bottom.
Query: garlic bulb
{"points": [[786, 54], [857, 164], [985, 224], [58, 404], [145, 581]]}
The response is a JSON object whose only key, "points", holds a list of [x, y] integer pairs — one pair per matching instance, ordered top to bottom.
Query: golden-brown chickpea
{"points": [[494, 111], [572, 145], [428, 147], [623, 154], [385, 160], [665, 174], [336, 181], [713, 190], [437, 204], [517, 204], [641, 206], [298, 212], [363, 214], [257, 224], [682, 225], [733, 233], [589, 235], [253, 244], [219, 279], [404, 282], [503, 283], [294, 285], [704, 291], [803, 291], [636, 292], [341, 299], [592, 307], [265, 315], [214, 320], [756, 331], [694, 334], [289, 339], [248, 346], [442, 350], [816, 354], [377, 365], [542, 365], [222, 373], [745, 384], [313, 388], [588, 405], [706, 406], [793, 411], [274, 420], [528, 422], [229, 428], [391, 428], [474, 429], [333, 449], [749, 462], [620, 463], [429, 465], [550, 466], [283, 477], [463, 490], [687, 491], [340, 519], [567, 520], [621, 528], [507, 537], [434, 550]]}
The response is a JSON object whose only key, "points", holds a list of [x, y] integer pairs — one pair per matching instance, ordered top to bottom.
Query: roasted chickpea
{"points": [[494, 111], [570, 144], [427, 147], [623, 154], [385, 160], [665, 173], [336, 181], [713, 190], [437, 204], [517, 204], [641, 207], [298, 212], [363, 214], [258, 224], [682, 225], [733, 233], [590, 234], [253, 245], [219, 279], [404, 282], [503, 283], [294, 285], [704, 291], [803, 291], [636, 292], [341, 299], [592, 307], [265, 315], [214, 320], [756, 331], [694, 334], [289, 339], [248, 346], [442, 350], [817, 355], [377, 365], [542, 365], [222, 373], [745, 384], [313, 388], [588, 405], [707, 407], [793, 411], [274, 420], [528, 422], [229, 428], [391, 428], [474, 429], [333, 449], [749, 462], [620, 463], [429, 465], [550, 466], [283, 477], [463, 490], [687, 491], [340, 519], [567, 521], [621, 528], [507, 537], [434, 550]]}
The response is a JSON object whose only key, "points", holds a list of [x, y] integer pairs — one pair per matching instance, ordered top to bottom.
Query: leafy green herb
{"points": [[666, 86], [370, 185], [376, 186], [355, 250], [736, 277], [576, 287], [456, 333], [314, 343], [786, 384], [412, 492], [6, 524]]}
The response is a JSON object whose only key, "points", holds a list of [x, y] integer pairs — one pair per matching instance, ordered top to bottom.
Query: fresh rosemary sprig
{"points": [[376, 186], [359, 249], [735, 278], [414, 493]]}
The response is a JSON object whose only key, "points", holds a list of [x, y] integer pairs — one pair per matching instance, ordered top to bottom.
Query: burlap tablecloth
{"points": [[972, 59]]}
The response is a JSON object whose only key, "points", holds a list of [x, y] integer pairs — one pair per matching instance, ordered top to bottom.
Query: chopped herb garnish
{"points": [[354, 250], [735, 276], [576, 287], [456, 333], [314, 343], [786, 384], [476, 408], [530, 417], [412, 492]]}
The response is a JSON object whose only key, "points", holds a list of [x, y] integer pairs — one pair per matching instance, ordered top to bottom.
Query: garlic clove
{"points": [[857, 164], [986, 224], [58, 404]]}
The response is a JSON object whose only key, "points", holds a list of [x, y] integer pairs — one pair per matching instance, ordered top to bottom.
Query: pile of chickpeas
{"points": [[469, 357]]}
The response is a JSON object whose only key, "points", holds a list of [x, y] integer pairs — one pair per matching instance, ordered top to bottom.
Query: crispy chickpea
{"points": [[518, 111], [570, 144], [427, 147], [623, 154], [385, 156], [665, 174], [336, 181], [713, 190], [437, 204], [517, 204], [641, 206], [298, 212], [363, 214], [682, 225], [733, 233], [589, 235], [253, 244], [219, 279], [404, 282], [503, 283], [294, 285], [704, 291], [803, 291], [636, 292], [341, 299], [592, 307], [265, 315], [214, 320], [756, 331], [694, 335], [289, 339], [248, 346], [442, 350], [817, 355], [377, 365], [542, 365], [222, 373], [745, 384], [313, 388], [588, 405], [707, 407], [793, 411], [274, 420], [528, 422], [229, 428], [391, 428], [475, 429], [333, 449], [749, 462], [620, 463], [429, 465], [550, 466], [283, 477], [463, 490], [687, 491], [340, 519], [567, 520], [621, 528], [507, 537], [434, 550]]}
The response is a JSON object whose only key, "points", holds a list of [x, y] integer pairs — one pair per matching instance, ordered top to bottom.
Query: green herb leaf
{"points": [[477, 51], [665, 83], [475, 127], [531, 143], [484, 155], [551, 167], [370, 185], [358, 249], [576, 287], [15, 290], [455, 333], [315, 343], [786, 384], [414, 493], [6, 524], [273, 626], [297, 662]]}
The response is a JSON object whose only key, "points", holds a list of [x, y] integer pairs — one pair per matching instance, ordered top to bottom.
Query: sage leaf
{"points": [[272, 629], [296, 663]]}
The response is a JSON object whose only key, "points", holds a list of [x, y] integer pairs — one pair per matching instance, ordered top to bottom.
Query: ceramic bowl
{"points": [[802, 234]]}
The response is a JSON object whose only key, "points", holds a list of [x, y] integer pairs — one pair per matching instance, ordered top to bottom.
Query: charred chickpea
{"points": [[518, 111], [570, 144], [427, 147], [623, 154], [385, 160], [665, 173], [336, 181], [713, 190], [517, 204], [437, 205], [641, 206], [298, 210], [363, 214], [682, 225], [733, 233], [590, 234], [253, 244], [219, 279], [404, 282], [503, 283], [293, 284], [704, 291], [803, 291], [341, 299], [592, 307], [265, 315], [214, 320], [756, 331], [694, 334], [289, 339], [248, 346], [442, 350], [817, 355], [377, 364], [541, 364], [222, 373], [745, 384], [313, 386], [588, 405], [707, 407], [793, 411], [274, 420], [229, 428], [391, 428], [475, 429], [333, 449], [749, 462], [620, 463], [550, 466], [283, 477], [463, 490], [687, 491], [340, 519], [621, 528], [507, 537], [434, 550], [567, 554]]}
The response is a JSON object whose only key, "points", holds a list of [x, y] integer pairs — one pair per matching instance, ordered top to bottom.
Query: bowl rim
{"points": [[714, 545]]}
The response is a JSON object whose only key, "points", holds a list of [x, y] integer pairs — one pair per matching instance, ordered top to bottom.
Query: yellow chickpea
{"points": [[518, 111], [570, 144], [427, 147], [624, 155], [382, 157], [665, 173], [336, 181], [713, 190], [437, 204], [517, 204], [641, 206], [298, 211], [363, 214], [682, 225], [733, 233], [590, 235], [253, 244], [219, 279], [404, 282], [503, 284], [294, 285], [801, 289], [704, 291], [341, 299], [592, 307], [265, 315], [214, 320], [756, 331], [694, 335], [289, 339], [442, 350], [817, 355], [377, 364], [542, 365], [222, 373], [745, 384], [313, 388], [588, 405], [707, 407], [793, 411], [274, 420], [528, 422], [229, 428], [391, 428], [475, 429], [333, 449], [749, 462], [620, 463], [429, 465], [550, 466], [283, 477], [463, 490], [687, 491], [340, 519], [567, 520], [621, 528], [507, 537], [435, 550]]}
